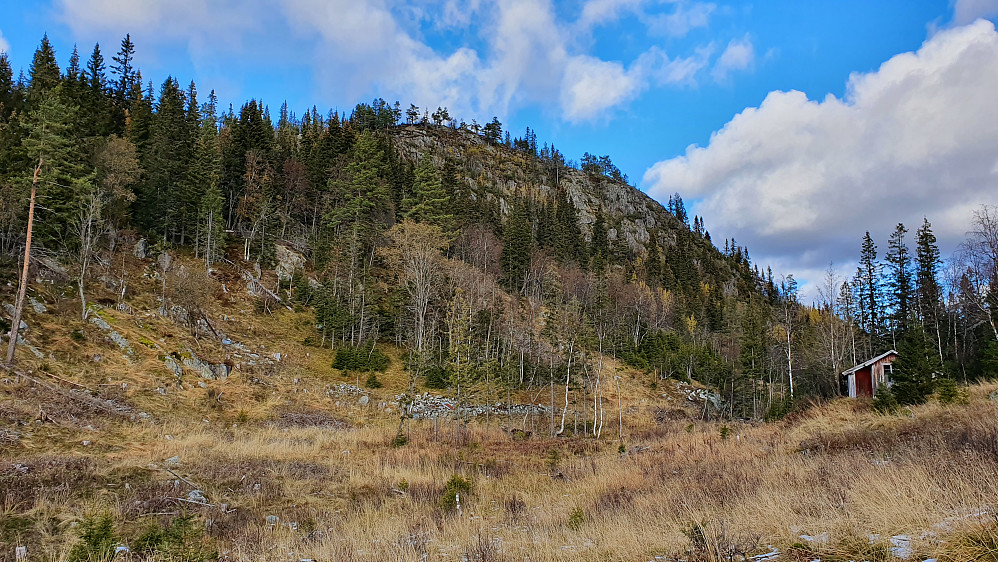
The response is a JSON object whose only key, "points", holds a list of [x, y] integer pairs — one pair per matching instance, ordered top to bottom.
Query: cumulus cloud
{"points": [[966, 11], [4, 45], [509, 53], [738, 55], [593, 85], [800, 180]]}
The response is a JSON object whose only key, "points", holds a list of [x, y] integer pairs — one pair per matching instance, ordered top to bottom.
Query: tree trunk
{"points": [[22, 290]]}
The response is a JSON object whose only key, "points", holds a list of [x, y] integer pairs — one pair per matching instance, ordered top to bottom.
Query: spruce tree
{"points": [[124, 69], [44, 71], [7, 96], [95, 105], [202, 181], [364, 201], [430, 202], [161, 205], [518, 243], [599, 249], [899, 281], [870, 289], [928, 294], [915, 369]]}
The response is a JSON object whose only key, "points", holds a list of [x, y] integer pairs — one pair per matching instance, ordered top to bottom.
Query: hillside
{"points": [[344, 337], [284, 457]]}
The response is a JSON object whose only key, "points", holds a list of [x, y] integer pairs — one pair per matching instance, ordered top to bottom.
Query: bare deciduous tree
{"points": [[89, 227]]}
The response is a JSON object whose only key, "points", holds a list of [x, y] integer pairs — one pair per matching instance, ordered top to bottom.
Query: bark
{"points": [[19, 307]]}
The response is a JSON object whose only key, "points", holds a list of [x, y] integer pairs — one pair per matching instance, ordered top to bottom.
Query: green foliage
{"points": [[430, 202], [518, 242], [360, 359], [989, 361], [915, 368], [437, 377], [372, 381], [948, 392], [885, 402], [779, 409], [725, 432], [400, 440], [553, 459], [457, 485], [576, 518], [98, 540], [180, 541]]}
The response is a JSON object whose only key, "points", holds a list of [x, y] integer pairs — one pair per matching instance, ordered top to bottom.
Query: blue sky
{"points": [[666, 87]]}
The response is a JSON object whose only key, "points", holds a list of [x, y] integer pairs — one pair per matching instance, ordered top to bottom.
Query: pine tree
{"points": [[65, 178]]}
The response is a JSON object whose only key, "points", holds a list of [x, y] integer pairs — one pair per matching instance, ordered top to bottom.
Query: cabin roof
{"points": [[870, 362]]}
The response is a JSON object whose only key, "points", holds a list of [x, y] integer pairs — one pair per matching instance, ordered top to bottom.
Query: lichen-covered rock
{"points": [[496, 172], [141, 249], [288, 261], [37, 305], [111, 333], [173, 366]]}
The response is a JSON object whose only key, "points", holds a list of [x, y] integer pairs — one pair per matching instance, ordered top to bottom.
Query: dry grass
{"points": [[273, 442], [346, 494]]}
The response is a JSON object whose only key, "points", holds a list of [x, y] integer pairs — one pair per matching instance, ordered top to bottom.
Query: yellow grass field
{"points": [[286, 469]]}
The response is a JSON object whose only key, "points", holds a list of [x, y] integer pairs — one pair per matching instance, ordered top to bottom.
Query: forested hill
{"points": [[482, 254]]}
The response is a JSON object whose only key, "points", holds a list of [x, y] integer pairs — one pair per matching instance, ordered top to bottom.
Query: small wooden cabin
{"points": [[866, 377]]}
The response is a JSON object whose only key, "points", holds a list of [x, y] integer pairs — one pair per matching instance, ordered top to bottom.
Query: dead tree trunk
{"points": [[19, 306]]}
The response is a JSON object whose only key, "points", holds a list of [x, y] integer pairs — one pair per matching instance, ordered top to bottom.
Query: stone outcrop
{"points": [[495, 171]]}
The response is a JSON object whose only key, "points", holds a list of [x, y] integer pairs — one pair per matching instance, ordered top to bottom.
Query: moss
{"points": [[147, 342]]}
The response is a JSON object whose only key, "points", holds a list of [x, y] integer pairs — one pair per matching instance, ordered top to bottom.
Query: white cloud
{"points": [[966, 11], [601, 12], [686, 17], [188, 20], [4, 45], [523, 53], [738, 55], [593, 86], [800, 180]]}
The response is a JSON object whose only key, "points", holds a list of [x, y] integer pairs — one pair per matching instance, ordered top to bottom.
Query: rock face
{"points": [[496, 172], [141, 249], [288, 261], [117, 338]]}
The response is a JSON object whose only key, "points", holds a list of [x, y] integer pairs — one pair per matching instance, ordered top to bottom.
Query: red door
{"points": [[864, 384]]}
